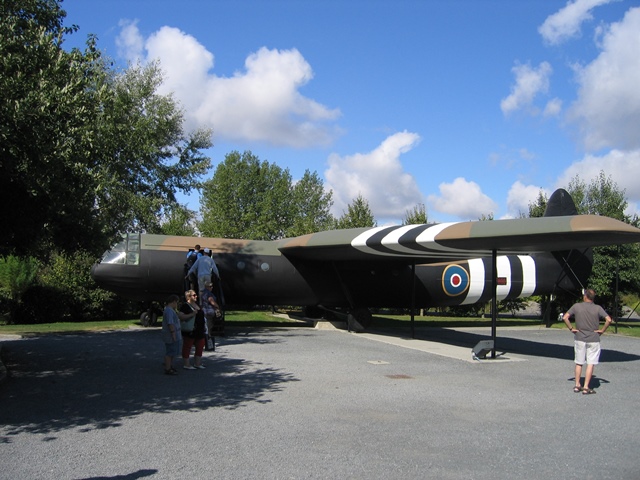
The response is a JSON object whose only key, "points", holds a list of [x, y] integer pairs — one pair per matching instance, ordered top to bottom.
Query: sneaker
{"points": [[189, 367], [201, 367], [170, 372]]}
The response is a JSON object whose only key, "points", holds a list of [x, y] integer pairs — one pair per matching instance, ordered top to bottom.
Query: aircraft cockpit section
{"points": [[125, 252], [120, 270]]}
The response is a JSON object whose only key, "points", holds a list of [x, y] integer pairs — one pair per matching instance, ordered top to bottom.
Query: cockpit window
{"points": [[126, 252]]}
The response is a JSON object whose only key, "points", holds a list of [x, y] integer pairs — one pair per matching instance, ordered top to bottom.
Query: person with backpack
{"points": [[190, 281]]}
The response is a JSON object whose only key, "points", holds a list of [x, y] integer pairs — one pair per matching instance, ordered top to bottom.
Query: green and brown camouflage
{"points": [[374, 267]]}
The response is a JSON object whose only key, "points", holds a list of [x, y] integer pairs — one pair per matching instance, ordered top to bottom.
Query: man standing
{"points": [[203, 268], [587, 333]]}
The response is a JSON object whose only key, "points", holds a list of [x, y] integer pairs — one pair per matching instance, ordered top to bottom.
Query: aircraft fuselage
{"points": [[258, 273]]}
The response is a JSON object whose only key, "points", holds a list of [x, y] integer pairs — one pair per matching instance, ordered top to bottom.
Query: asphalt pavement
{"points": [[305, 403]]}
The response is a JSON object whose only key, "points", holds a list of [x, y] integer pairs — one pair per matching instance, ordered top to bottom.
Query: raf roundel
{"points": [[455, 280]]}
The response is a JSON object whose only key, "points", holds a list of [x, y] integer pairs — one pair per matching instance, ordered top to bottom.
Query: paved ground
{"points": [[308, 404]]}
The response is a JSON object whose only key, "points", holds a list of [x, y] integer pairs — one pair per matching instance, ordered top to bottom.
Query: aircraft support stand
{"points": [[413, 300], [494, 300]]}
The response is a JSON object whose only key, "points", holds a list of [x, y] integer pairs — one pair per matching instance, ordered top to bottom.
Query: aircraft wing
{"points": [[457, 241]]}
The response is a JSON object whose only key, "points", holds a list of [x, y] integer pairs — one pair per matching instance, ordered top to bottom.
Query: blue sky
{"points": [[467, 106]]}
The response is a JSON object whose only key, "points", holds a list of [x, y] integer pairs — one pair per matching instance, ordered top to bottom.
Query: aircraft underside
{"points": [[275, 280]]}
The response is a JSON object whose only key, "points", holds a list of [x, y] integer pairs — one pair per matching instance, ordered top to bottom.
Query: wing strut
{"points": [[568, 265]]}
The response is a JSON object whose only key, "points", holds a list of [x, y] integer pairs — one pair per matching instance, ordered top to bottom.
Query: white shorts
{"points": [[588, 353]]}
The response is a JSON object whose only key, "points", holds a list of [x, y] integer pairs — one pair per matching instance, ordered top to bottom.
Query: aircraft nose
{"points": [[95, 273]]}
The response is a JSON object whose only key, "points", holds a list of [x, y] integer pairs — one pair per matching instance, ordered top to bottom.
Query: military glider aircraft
{"points": [[396, 266]]}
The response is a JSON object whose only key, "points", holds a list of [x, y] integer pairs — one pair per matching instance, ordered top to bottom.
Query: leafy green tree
{"points": [[47, 99], [86, 152], [144, 155], [603, 197], [246, 198], [253, 199], [312, 206], [537, 208], [358, 214], [416, 216], [178, 220], [17, 275], [68, 277], [513, 306]]}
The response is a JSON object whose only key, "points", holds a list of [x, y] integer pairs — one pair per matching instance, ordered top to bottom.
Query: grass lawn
{"points": [[265, 319]]}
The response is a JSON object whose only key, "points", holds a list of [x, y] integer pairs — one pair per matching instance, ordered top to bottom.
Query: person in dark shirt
{"points": [[196, 335]]}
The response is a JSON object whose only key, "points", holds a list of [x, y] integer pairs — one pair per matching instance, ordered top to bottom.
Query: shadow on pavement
{"points": [[507, 343], [93, 381]]}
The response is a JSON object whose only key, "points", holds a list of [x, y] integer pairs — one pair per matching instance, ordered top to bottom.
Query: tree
{"points": [[47, 99], [86, 152], [143, 155], [603, 197], [247, 199], [250, 199], [312, 206], [537, 208], [358, 214], [416, 216], [178, 220], [17, 275]]}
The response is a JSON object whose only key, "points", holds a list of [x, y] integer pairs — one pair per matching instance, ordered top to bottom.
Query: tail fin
{"points": [[559, 204], [575, 265]]}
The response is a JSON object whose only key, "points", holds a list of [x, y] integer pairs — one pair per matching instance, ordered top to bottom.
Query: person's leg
{"points": [[202, 281], [209, 319], [187, 343], [199, 343], [580, 353], [168, 357], [593, 357], [578, 373], [588, 373]]}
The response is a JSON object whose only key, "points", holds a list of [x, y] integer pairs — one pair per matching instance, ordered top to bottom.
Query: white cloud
{"points": [[566, 23], [129, 42], [529, 82], [261, 103], [553, 108], [607, 109], [622, 166], [378, 176], [519, 198], [463, 199]]}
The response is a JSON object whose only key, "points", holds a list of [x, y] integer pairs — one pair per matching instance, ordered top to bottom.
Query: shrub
{"points": [[17, 274], [41, 304]]}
